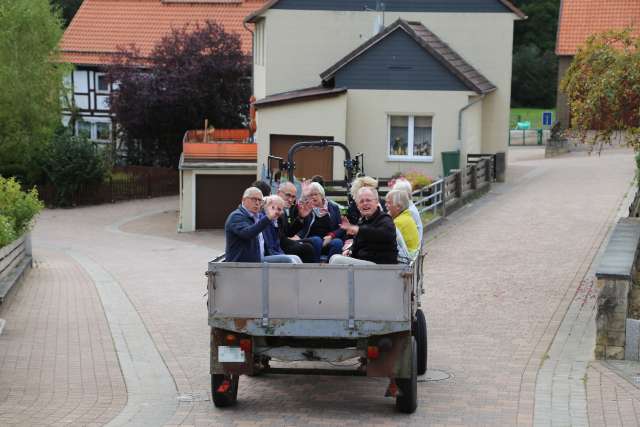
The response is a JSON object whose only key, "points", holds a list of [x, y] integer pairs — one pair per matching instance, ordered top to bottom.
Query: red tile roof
{"points": [[581, 18], [100, 26]]}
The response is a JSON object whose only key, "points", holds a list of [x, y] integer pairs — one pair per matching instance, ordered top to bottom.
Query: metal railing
{"points": [[429, 197]]}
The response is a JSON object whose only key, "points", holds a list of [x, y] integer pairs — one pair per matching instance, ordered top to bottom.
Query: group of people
{"points": [[280, 228]]}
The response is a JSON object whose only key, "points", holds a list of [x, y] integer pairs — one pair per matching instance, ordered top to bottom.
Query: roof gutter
{"points": [[470, 104]]}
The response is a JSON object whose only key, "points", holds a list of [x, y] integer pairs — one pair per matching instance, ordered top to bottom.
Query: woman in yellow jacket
{"points": [[398, 207]]}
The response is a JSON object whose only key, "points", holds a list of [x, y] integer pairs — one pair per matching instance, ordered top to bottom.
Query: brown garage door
{"points": [[310, 161], [217, 196]]}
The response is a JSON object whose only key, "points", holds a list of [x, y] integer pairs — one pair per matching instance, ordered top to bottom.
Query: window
{"points": [[102, 83], [83, 129], [103, 131], [410, 138]]}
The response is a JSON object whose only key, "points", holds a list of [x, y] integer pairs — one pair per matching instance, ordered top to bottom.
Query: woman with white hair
{"points": [[404, 185], [321, 224], [271, 233], [407, 236]]}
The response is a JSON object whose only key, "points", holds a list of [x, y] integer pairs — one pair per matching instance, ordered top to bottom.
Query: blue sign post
{"points": [[547, 118]]}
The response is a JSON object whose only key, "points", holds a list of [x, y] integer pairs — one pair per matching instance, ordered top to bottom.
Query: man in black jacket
{"points": [[374, 239]]}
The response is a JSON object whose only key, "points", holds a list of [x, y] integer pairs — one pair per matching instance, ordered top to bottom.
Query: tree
{"points": [[67, 8], [535, 65], [193, 74], [31, 81], [603, 88]]}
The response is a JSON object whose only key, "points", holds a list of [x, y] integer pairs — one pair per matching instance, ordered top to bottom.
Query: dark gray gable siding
{"points": [[397, 5], [397, 63]]}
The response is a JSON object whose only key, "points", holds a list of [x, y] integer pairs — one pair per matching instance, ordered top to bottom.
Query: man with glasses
{"points": [[290, 223], [243, 230]]}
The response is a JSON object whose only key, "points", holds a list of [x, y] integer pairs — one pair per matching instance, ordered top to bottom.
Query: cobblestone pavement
{"points": [[501, 274]]}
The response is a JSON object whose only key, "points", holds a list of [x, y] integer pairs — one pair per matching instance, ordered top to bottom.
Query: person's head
{"points": [[319, 179], [363, 181], [403, 185], [264, 188], [287, 191], [314, 193], [252, 199], [367, 201], [276, 202], [397, 202]]}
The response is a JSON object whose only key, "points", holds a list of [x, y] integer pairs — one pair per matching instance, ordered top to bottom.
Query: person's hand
{"points": [[304, 209], [271, 211], [348, 227], [295, 237], [326, 240]]}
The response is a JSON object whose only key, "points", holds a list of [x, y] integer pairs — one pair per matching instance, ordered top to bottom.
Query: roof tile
{"points": [[581, 18], [101, 26]]}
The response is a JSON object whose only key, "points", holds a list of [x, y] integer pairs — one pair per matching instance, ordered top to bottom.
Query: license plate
{"points": [[230, 354]]}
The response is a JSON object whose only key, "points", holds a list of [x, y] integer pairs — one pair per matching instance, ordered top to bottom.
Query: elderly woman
{"points": [[404, 185], [353, 215], [321, 225], [272, 233], [408, 237], [374, 239]]}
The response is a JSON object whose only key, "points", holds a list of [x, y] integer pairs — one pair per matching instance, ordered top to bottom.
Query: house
{"points": [[578, 20], [100, 27], [401, 81], [215, 168]]}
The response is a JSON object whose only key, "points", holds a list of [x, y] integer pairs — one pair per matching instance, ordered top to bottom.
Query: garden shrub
{"points": [[69, 162], [17, 209]]}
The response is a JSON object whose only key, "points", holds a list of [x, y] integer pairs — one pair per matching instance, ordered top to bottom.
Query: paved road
{"points": [[501, 276]]}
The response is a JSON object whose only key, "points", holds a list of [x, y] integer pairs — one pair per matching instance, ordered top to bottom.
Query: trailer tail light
{"points": [[230, 338], [245, 345], [373, 352], [224, 387]]}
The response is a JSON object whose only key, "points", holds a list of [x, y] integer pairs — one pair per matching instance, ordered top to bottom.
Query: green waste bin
{"points": [[450, 160]]}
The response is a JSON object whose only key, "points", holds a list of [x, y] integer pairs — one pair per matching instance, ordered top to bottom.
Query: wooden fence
{"points": [[125, 183], [15, 258]]}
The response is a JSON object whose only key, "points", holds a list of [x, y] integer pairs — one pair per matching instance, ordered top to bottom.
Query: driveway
{"points": [[111, 324]]}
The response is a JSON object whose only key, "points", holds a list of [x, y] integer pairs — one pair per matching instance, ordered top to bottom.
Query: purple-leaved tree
{"points": [[195, 73]]}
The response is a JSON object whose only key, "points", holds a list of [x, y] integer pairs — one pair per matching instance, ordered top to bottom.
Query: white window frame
{"points": [[98, 75], [410, 124], [94, 129]]}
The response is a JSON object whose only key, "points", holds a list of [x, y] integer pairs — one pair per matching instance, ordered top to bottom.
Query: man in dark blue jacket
{"points": [[243, 229]]}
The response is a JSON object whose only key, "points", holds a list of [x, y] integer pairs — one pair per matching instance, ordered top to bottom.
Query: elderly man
{"points": [[290, 223], [243, 230], [374, 239]]}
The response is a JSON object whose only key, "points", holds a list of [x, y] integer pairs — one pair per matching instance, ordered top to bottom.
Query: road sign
{"points": [[547, 118]]}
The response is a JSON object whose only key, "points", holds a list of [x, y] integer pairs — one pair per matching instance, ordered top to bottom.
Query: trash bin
{"points": [[450, 160]]}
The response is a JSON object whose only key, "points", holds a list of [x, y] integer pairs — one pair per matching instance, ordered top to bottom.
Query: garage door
{"points": [[310, 161], [217, 196]]}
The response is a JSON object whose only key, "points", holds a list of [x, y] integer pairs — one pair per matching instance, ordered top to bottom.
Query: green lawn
{"points": [[533, 115]]}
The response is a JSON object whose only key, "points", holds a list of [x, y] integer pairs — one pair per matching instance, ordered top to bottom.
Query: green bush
{"points": [[69, 162], [17, 209]]}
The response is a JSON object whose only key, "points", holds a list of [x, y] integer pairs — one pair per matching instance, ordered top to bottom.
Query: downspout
{"points": [[472, 103]]}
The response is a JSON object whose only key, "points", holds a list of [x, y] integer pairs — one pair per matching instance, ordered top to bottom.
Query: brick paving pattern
{"points": [[501, 274], [57, 361], [612, 400]]}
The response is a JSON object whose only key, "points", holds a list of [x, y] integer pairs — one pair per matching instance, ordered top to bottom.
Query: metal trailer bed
{"points": [[317, 313]]}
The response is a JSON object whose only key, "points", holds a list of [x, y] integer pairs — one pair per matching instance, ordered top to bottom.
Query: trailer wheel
{"points": [[420, 332], [230, 396], [407, 399]]}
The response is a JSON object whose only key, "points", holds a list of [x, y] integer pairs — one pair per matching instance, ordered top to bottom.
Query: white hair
{"points": [[361, 182], [284, 185], [403, 185], [314, 186], [371, 189], [249, 191], [399, 198], [270, 200]]}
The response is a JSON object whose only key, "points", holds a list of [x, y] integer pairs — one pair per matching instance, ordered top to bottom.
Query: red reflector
{"points": [[230, 338], [245, 345], [373, 352], [224, 387]]}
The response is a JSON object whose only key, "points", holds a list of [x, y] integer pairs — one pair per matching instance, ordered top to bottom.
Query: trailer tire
{"points": [[420, 332], [228, 398], [407, 399]]}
